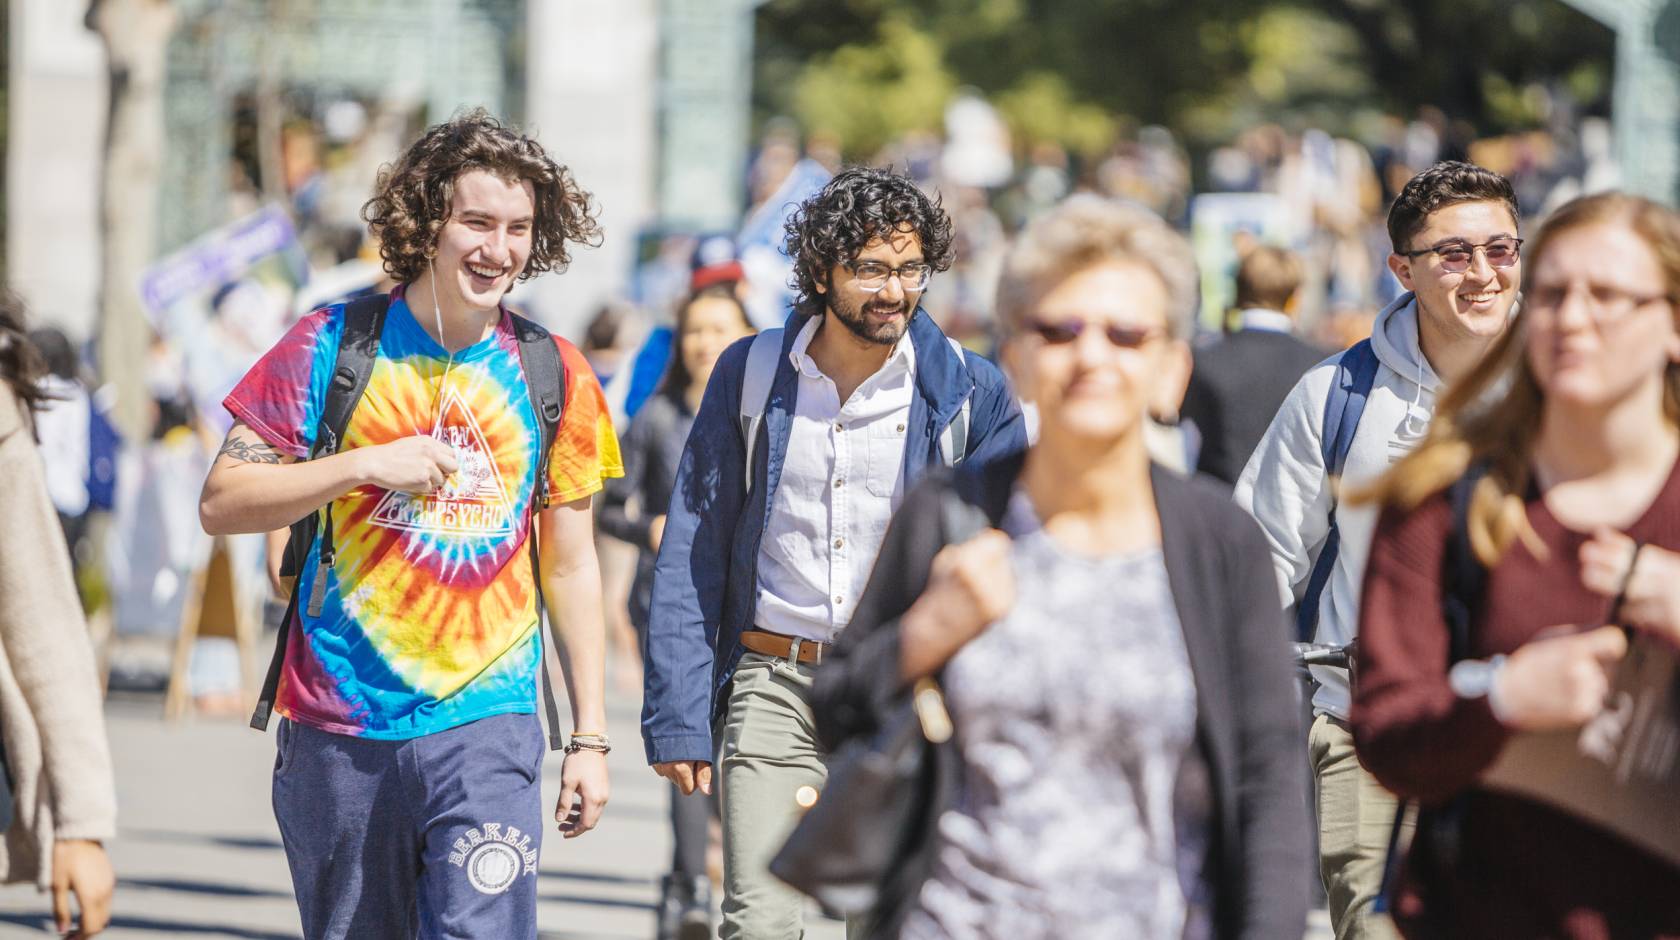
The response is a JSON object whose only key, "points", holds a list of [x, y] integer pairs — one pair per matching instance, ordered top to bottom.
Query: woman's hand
{"points": [[970, 586], [1652, 600], [1557, 682], [80, 867]]}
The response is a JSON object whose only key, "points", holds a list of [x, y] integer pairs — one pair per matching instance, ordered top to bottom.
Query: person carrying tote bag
{"points": [[1125, 755]]}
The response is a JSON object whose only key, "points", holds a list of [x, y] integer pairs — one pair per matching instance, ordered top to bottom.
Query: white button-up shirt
{"points": [[841, 480]]}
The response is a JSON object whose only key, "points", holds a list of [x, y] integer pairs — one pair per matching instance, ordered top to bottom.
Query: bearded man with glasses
{"points": [[1453, 229], [805, 442]]}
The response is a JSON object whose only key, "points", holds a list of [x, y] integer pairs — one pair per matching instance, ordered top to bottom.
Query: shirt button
{"points": [[839, 427], [901, 429], [838, 483], [839, 543], [838, 600]]}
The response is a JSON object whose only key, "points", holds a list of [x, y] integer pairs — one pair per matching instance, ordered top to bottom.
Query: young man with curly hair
{"points": [[762, 563], [408, 782]]}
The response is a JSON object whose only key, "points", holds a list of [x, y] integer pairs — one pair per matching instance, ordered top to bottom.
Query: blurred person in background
{"points": [[1453, 231], [708, 322], [603, 341], [605, 351], [1238, 382], [63, 424], [1572, 424], [761, 560], [1125, 757], [59, 803]]}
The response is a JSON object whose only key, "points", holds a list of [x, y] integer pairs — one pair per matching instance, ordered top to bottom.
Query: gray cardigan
{"points": [[50, 709], [1248, 719]]}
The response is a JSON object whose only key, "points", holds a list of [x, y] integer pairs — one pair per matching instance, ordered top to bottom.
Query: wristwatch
{"points": [[1473, 678]]}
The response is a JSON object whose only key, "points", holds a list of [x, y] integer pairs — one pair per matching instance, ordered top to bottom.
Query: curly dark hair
{"points": [[1447, 183], [412, 199], [857, 206]]}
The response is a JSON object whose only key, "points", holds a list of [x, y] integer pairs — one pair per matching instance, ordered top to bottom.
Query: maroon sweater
{"points": [[1525, 870]]}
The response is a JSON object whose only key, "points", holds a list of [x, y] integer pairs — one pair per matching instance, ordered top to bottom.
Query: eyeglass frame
{"points": [[1516, 252], [892, 272], [1595, 308]]}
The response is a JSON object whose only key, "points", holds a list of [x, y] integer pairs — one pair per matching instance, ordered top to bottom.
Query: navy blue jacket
{"points": [[705, 584]]}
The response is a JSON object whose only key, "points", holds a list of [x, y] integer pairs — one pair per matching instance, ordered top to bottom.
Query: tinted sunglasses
{"points": [[1456, 257], [1062, 332]]}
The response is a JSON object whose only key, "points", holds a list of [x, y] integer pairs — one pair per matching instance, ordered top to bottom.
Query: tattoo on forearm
{"points": [[249, 451]]}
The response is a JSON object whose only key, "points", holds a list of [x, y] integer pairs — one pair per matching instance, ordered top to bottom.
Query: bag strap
{"points": [[358, 349], [1356, 373], [756, 380], [545, 381], [953, 441], [960, 519], [1463, 584]]}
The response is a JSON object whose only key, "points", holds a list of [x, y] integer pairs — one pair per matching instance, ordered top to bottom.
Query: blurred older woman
{"points": [[1127, 756]]}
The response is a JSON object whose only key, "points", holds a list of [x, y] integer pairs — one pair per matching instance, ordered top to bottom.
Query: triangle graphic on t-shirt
{"points": [[472, 501]]}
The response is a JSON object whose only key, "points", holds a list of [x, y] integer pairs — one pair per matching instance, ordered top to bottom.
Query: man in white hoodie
{"points": [[1455, 249]]}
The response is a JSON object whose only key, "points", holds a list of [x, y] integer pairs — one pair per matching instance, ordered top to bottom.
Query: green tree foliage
{"points": [[1064, 69]]}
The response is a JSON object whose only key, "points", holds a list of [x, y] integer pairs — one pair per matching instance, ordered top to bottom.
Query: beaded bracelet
{"points": [[589, 742]]}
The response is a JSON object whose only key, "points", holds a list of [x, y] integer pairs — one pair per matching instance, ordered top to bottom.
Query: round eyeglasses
{"points": [[872, 275], [1604, 304]]}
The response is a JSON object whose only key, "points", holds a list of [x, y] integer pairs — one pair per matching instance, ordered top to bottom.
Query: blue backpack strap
{"points": [[1356, 373]]}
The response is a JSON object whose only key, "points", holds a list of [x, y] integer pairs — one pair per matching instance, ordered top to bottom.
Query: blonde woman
{"points": [[1573, 417], [1127, 753]]}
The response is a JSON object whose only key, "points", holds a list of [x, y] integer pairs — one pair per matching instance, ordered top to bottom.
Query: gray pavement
{"points": [[198, 854]]}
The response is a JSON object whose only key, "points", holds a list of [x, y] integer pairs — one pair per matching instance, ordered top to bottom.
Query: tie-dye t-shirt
{"points": [[430, 615]]}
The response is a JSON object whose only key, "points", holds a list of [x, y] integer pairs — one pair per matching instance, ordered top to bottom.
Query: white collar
{"points": [[1271, 321], [903, 355]]}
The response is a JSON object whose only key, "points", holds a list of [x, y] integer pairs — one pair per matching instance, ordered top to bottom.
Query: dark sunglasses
{"points": [[1062, 332]]}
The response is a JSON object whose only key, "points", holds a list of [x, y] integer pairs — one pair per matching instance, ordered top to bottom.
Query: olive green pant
{"points": [[769, 751], [1355, 819]]}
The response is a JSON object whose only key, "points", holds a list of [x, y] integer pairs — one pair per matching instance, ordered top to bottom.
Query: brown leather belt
{"points": [[765, 643]]}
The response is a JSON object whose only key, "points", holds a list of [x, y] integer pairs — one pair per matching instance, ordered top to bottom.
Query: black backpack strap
{"points": [[358, 348], [545, 381], [1463, 576], [1463, 583]]}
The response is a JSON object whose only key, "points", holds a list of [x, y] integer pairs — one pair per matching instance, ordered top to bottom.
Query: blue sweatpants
{"points": [[436, 837]]}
